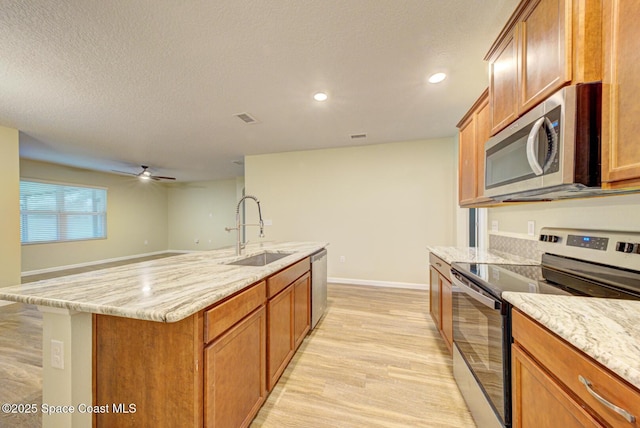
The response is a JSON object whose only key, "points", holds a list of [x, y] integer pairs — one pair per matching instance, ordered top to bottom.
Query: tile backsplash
{"points": [[526, 248]]}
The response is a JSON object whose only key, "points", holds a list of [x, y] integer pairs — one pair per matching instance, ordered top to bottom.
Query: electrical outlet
{"points": [[268, 222], [494, 225], [531, 228], [197, 241], [146, 242], [343, 259], [57, 354]]}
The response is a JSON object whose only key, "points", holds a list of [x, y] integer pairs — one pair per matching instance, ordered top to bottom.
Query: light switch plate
{"points": [[494, 225], [531, 228], [57, 354]]}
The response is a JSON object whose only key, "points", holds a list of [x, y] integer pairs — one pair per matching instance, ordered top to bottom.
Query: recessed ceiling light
{"points": [[437, 77], [320, 96]]}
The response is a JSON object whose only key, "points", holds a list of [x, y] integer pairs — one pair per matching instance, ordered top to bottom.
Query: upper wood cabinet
{"points": [[545, 45], [621, 94], [474, 132]]}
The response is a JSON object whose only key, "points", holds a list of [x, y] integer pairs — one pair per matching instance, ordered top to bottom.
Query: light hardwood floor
{"points": [[375, 360]]}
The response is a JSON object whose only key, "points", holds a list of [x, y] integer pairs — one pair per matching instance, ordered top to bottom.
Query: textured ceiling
{"points": [[114, 84]]}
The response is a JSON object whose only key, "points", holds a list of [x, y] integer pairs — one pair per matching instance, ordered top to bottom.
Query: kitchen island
{"points": [[153, 308]]}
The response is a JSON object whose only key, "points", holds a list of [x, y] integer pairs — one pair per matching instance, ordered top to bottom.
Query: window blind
{"points": [[55, 213]]}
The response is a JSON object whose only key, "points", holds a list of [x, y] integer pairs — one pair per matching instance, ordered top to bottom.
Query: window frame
{"points": [[62, 226]]}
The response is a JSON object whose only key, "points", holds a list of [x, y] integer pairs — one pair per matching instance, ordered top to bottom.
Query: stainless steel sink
{"points": [[261, 259]]}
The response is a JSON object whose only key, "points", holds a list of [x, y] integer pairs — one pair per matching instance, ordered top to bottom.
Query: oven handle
{"points": [[485, 300]]}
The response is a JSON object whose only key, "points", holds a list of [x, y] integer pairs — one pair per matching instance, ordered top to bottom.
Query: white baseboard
{"points": [[97, 262], [389, 284]]}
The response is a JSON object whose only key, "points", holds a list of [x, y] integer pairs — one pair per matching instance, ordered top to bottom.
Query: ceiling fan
{"points": [[145, 174]]}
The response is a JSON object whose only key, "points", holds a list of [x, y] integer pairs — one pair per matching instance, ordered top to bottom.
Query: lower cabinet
{"points": [[441, 298], [280, 310], [289, 315], [212, 369], [234, 378], [556, 385]]}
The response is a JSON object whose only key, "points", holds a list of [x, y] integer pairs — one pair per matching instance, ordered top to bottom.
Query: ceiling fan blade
{"points": [[124, 172], [160, 177]]}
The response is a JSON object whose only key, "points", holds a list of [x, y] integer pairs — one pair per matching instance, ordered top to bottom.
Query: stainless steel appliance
{"points": [[551, 152], [589, 263], [318, 286]]}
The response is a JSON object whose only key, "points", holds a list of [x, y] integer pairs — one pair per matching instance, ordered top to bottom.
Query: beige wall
{"points": [[378, 206], [9, 207], [200, 211], [136, 212], [611, 212]]}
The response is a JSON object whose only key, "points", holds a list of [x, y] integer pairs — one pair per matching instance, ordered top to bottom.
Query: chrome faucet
{"points": [[239, 244]]}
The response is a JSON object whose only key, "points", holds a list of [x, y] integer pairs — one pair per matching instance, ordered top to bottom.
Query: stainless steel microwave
{"points": [[551, 152]]}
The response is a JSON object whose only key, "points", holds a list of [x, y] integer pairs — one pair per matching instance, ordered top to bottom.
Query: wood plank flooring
{"points": [[375, 360]]}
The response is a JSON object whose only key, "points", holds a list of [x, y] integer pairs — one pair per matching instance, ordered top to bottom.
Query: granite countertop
{"points": [[477, 255], [165, 290], [608, 330]]}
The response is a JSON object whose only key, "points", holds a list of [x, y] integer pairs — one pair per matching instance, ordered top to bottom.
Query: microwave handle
{"points": [[532, 158]]}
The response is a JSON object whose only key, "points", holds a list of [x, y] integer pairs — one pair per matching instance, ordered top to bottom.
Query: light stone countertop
{"points": [[477, 255], [164, 290], [608, 330]]}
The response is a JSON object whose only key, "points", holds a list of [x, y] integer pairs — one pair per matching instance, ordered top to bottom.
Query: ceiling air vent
{"points": [[246, 118], [358, 136]]}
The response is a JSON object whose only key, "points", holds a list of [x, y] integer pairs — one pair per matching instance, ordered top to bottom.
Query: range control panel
{"points": [[585, 241], [615, 248]]}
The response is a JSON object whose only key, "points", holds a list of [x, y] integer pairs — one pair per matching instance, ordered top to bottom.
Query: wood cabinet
{"points": [[545, 45], [621, 95], [473, 134], [441, 298], [289, 317], [235, 358], [212, 369], [235, 373], [548, 388]]}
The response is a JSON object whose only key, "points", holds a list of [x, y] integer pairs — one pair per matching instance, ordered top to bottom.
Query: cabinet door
{"points": [[545, 50], [503, 85], [621, 94], [482, 135], [467, 162], [434, 296], [301, 309], [447, 312], [280, 326], [235, 373], [538, 401]]}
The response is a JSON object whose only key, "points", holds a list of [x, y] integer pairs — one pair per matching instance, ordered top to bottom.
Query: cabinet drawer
{"points": [[440, 265], [282, 279], [219, 318], [566, 364]]}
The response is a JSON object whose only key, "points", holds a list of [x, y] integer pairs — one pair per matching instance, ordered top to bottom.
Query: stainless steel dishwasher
{"points": [[318, 286]]}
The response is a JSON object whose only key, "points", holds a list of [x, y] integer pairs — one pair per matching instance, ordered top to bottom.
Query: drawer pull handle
{"points": [[438, 264], [622, 412]]}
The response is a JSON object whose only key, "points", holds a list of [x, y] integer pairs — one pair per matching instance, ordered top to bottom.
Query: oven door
{"points": [[479, 332]]}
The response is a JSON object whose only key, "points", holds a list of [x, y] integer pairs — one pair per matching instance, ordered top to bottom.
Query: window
{"points": [[55, 212]]}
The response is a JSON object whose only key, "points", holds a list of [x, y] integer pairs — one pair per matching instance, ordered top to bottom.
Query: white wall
{"points": [[379, 206], [9, 207], [200, 211], [136, 212], [610, 212]]}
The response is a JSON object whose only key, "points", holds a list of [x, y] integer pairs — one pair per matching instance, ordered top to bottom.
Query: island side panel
{"points": [[148, 373]]}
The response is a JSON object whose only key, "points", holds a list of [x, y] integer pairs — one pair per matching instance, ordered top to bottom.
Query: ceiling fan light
{"points": [[145, 176]]}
